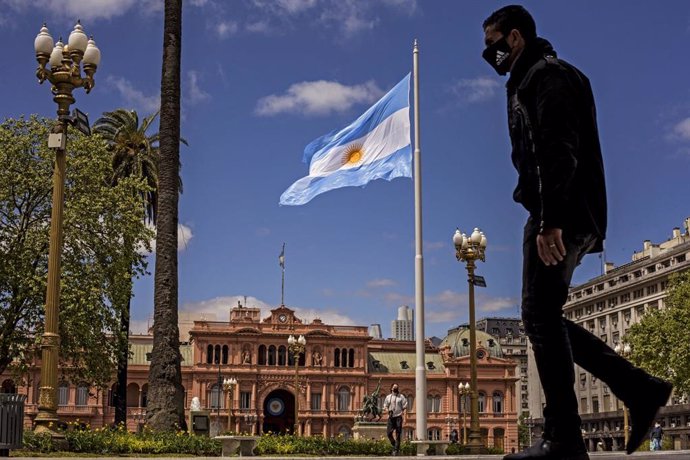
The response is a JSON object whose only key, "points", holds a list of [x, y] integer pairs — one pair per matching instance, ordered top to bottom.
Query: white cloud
{"points": [[199, 2], [285, 6], [90, 10], [352, 16], [224, 29], [475, 89], [196, 94], [134, 97], [318, 98], [682, 130], [184, 236], [383, 282], [448, 298], [399, 299], [493, 304], [218, 309], [327, 316], [443, 316]]}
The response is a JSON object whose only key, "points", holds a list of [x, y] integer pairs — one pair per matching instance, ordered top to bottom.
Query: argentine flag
{"points": [[375, 146]]}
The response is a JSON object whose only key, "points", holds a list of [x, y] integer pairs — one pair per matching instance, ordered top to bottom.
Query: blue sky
{"points": [[262, 78]]}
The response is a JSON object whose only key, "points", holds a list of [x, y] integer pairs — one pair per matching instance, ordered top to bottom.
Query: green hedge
{"points": [[109, 441]]}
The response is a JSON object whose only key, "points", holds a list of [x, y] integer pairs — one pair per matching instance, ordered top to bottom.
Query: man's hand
{"points": [[550, 246]]}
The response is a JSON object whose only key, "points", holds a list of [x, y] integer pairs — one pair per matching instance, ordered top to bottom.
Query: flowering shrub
{"points": [[81, 439], [118, 441]]}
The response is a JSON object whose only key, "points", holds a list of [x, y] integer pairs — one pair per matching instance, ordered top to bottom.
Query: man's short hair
{"points": [[513, 17], [392, 385]]}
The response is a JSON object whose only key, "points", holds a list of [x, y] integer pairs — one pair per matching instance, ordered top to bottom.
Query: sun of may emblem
{"points": [[353, 154]]}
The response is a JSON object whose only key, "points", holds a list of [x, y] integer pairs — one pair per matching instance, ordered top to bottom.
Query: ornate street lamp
{"points": [[65, 62], [468, 250], [296, 347], [625, 352], [228, 387], [464, 390], [250, 419]]}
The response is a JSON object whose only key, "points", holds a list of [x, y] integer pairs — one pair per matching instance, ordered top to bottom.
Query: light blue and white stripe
{"points": [[381, 136]]}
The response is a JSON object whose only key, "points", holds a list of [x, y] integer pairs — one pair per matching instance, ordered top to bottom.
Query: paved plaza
{"points": [[661, 455]]}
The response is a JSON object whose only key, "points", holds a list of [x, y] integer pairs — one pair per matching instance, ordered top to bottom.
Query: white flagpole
{"points": [[420, 370]]}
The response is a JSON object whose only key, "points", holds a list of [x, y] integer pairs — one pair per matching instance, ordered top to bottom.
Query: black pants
{"points": [[558, 342], [394, 424]]}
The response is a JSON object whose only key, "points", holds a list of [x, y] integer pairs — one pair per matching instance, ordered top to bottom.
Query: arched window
{"points": [[209, 354], [225, 354], [262, 355], [272, 355], [282, 355], [216, 356], [336, 356], [343, 357], [301, 360], [351, 361], [63, 394], [82, 395], [111, 395], [132, 395], [144, 395], [215, 397], [343, 399], [482, 401], [498, 402], [410, 403], [433, 403], [344, 431], [434, 434], [484, 434], [499, 437]]}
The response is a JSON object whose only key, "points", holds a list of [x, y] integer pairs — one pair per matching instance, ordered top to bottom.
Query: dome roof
{"points": [[458, 339]]}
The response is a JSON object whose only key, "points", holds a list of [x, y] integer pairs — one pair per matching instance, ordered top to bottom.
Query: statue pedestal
{"points": [[369, 430]]}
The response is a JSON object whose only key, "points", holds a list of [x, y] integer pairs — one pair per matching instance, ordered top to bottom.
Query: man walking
{"points": [[556, 151], [396, 406], [657, 434]]}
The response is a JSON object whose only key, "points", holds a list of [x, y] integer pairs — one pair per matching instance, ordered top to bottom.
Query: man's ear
{"points": [[516, 38]]}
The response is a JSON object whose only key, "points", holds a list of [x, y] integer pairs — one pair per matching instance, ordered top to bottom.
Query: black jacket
{"points": [[556, 151]]}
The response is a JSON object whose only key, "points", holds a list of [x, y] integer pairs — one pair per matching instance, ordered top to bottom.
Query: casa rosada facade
{"points": [[339, 366]]}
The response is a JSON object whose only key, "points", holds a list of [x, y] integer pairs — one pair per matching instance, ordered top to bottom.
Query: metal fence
{"points": [[11, 422]]}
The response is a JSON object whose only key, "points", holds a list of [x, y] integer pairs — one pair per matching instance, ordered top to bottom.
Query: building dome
{"points": [[458, 339]]}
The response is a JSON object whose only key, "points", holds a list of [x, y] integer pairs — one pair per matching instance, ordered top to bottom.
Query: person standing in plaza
{"points": [[561, 184], [396, 406], [657, 434]]}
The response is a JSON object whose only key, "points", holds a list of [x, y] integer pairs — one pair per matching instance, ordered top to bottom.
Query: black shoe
{"points": [[643, 411], [551, 450]]}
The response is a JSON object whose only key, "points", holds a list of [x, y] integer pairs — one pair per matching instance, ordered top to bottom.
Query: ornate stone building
{"points": [[340, 365]]}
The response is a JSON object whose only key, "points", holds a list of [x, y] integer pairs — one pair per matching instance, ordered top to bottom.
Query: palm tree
{"points": [[134, 154], [165, 409]]}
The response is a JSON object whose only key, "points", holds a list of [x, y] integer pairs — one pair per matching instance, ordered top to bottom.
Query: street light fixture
{"points": [[65, 62], [468, 250], [296, 347], [625, 352], [228, 387], [464, 389], [251, 420]]}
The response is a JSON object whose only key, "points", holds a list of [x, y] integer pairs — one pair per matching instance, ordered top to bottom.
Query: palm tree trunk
{"points": [[165, 411]]}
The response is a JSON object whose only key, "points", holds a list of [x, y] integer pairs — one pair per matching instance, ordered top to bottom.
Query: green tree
{"points": [[134, 154], [96, 264], [660, 342], [166, 395]]}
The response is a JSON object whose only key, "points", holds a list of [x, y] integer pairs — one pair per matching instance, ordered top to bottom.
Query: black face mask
{"points": [[497, 55], [395, 390]]}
